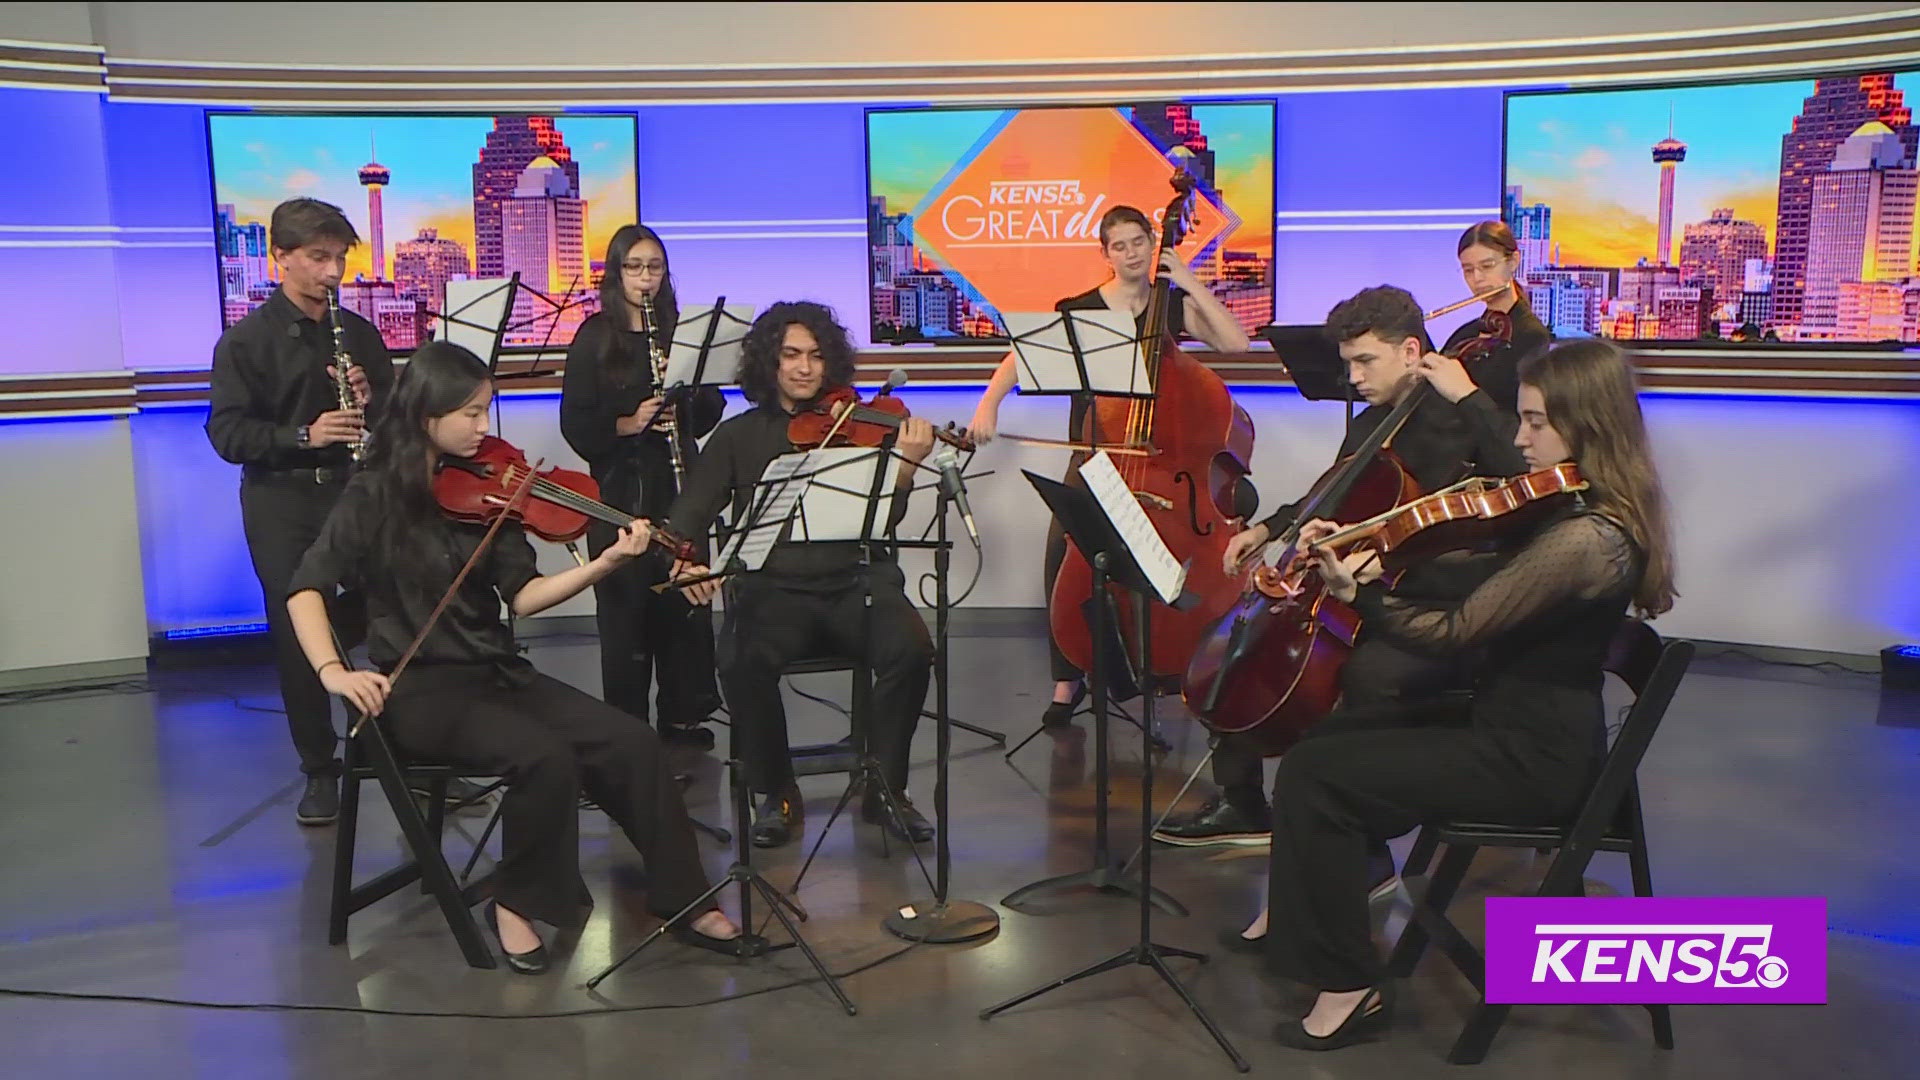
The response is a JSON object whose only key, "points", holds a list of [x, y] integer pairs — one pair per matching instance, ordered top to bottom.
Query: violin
{"points": [[839, 418], [558, 505], [1469, 515]]}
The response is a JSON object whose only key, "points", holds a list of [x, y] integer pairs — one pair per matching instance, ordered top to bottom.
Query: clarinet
{"points": [[342, 360], [670, 413]]}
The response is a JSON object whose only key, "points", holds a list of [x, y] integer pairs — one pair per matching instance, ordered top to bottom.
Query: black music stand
{"points": [[715, 332], [1081, 354], [1313, 363], [769, 511], [1080, 515], [1113, 560], [866, 773]]}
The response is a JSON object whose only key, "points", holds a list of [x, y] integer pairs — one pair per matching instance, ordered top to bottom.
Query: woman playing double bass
{"points": [[1127, 245], [1456, 431], [1540, 625], [468, 697]]}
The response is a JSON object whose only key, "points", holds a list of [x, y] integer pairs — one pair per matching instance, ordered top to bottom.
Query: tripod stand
{"points": [[742, 873], [1145, 951]]}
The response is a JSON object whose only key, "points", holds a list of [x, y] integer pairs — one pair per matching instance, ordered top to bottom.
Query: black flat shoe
{"points": [[1060, 713], [779, 816], [917, 829], [687, 935], [1235, 941], [532, 962], [1368, 1020]]}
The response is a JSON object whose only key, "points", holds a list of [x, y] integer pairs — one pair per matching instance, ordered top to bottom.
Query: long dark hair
{"points": [[1494, 235], [760, 349], [619, 363], [437, 379], [1593, 402]]}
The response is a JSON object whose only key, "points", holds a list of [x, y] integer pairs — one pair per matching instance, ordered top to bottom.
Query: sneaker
{"points": [[696, 735], [320, 803], [779, 816], [1220, 822]]}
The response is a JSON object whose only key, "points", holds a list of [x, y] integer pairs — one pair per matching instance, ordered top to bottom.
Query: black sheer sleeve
{"points": [[1582, 557]]}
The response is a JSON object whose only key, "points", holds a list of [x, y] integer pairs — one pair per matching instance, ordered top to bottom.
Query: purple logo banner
{"points": [[1657, 950]]}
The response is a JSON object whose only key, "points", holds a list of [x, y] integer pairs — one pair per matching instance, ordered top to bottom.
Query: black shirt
{"points": [[1094, 300], [1497, 373], [608, 375], [270, 377], [1441, 442], [732, 463], [470, 631]]}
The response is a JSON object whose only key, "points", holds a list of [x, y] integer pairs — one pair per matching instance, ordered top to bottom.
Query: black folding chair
{"points": [[370, 756], [1609, 820]]}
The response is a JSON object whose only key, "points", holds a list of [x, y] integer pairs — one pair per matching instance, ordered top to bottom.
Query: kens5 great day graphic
{"points": [[972, 212]]}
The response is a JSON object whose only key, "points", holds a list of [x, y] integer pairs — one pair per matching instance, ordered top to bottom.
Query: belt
{"points": [[323, 475]]}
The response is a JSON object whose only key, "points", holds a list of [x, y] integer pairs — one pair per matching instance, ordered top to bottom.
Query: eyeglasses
{"points": [[644, 267]]}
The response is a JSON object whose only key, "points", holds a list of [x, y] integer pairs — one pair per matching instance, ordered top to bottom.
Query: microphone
{"points": [[895, 379], [948, 462]]}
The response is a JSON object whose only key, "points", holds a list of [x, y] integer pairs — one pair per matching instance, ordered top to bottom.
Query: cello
{"points": [[1198, 447], [1269, 668]]}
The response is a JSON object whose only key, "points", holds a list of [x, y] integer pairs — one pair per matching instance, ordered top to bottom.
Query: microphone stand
{"points": [[942, 921]]}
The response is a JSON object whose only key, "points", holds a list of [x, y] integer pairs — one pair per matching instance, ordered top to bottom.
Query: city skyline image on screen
{"points": [[434, 199], [1779, 210], [972, 212]]}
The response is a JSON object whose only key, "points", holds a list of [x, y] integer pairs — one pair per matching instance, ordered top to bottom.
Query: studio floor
{"points": [[151, 851]]}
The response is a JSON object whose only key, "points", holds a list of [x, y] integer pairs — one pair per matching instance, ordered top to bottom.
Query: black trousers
{"points": [[282, 516], [769, 627], [648, 637], [1378, 679], [550, 742], [1341, 795]]}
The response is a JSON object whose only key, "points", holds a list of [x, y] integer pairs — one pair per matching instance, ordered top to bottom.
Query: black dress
{"points": [[1497, 373], [1056, 553], [1541, 626], [643, 634], [469, 698]]}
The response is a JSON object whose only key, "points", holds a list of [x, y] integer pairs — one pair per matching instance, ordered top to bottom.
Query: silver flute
{"points": [[342, 360], [665, 421]]}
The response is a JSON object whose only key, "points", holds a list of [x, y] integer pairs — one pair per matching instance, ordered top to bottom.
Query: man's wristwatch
{"points": [[301, 439]]}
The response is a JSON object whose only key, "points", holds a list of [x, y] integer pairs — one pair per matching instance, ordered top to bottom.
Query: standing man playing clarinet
{"points": [[276, 413]]}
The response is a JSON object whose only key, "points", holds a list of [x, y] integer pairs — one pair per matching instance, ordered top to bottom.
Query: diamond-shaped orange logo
{"points": [[1020, 220]]}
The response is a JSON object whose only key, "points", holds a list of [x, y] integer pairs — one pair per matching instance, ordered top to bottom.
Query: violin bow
{"points": [[513, 503]]}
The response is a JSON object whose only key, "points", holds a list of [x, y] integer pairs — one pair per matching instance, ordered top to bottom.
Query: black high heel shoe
{"points": [[1060, 713], [532, 962], [1368, 1020]]}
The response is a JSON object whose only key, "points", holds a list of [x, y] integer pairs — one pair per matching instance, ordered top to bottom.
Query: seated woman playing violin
{"points": [[1456, 429], [809, 599], [1540, 625], [468, 697]]}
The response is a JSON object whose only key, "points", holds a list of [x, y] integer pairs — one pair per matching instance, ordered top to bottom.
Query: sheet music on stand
{"points": [[476, 315], [706, 345], [1053, 345], [834, 503], [1167, 575]]}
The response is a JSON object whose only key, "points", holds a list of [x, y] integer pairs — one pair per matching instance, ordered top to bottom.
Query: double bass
{"points": [[1198, 447], [1269, 668]]}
